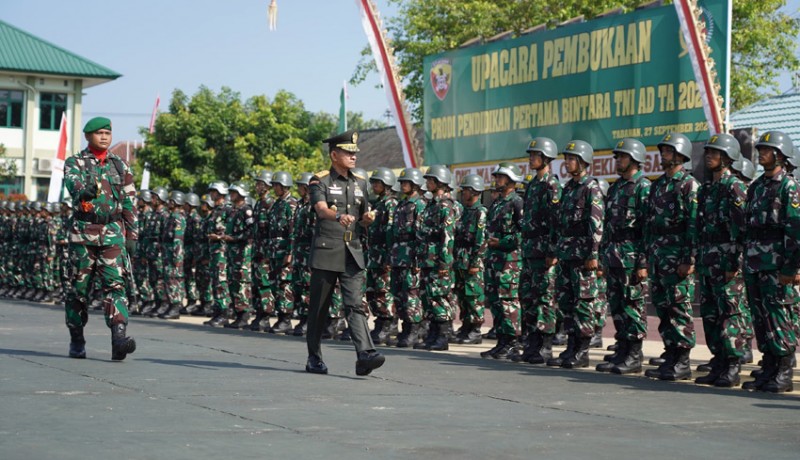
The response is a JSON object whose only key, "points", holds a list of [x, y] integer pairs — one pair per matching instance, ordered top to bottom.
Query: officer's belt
{"points": [[95, 219], [669, 230], [530, 234], [626, 234], [765, 234], [717, 238]]}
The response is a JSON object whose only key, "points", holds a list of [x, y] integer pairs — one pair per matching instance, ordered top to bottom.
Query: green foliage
{"points": [[762, 45], [218, 137], [8, 169]]}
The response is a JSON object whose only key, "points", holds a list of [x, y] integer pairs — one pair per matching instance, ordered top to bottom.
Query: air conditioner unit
{"points": [[45, 165]]}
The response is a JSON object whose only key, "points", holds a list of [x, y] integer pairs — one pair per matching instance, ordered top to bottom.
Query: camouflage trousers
{"points": [[104, 263], [66, 268], [218, 268], [140, 273], [202, 275], [156, 277], [190, 278], [280, 278], [173, 280], [241, 282], [262, 286], [301, 286], [405, 287], [536, 287], [576, 289], [379, 294], [502, 294], [436, 297], [469, 297], [672, 299], [627, 302], [601, 304], [771, 305], [721, 309]]}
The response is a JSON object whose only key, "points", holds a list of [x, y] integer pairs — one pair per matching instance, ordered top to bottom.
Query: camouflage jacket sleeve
{"points": [[689, 191], [642, 197], [129, 203], [390, 205], [419, 205], [596, 216], [447, 218], [791, 222], [243, 225], [511, 238], [478, 255], [732, 261]]}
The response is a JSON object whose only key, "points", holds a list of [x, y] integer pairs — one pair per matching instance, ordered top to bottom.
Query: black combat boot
{"points": [[134, 307], [148, 307], [192, 309], [207, 310], [159, 311], [173, 312], [220, 319], [242, 320], [256, 325], [283, 325], [301, 328], [376, 330], [445, 331], [385, 332], [462, 332], [491, 334], [410, 335], [345, 336], [473, 337], [430, 338], [597, 339], [501, 343], [77, 344], [121, 345], [511, 347], [530, 347], [615, 347], [545, 351], [569, 351], [619, 355], [581, 356], [747, 356], [661, 359], [666, 359], [631, 362], [769, 366], [681, 368], [715, 368], [729, 377], [781, 380]]}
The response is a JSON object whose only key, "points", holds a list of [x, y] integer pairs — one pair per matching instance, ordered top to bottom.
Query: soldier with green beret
{"points": [[104, 227]]}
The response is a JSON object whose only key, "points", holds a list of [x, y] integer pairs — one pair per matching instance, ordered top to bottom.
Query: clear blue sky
{"points": [[160, 45]]}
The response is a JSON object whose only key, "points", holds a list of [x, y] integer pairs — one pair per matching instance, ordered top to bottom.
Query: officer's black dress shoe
{"points": [[368, 361], [316, 366]]}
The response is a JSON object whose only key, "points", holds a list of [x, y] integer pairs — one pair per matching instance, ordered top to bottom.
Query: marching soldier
{"points": [[101, 185], [580, 231], [670, 236], [239, 238], [469, 253], [625, 259], [772, 262], [503, 263], [538, 278]]}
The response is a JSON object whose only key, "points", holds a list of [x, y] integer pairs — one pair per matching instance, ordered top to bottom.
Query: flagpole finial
{"points": [[272, 13]]}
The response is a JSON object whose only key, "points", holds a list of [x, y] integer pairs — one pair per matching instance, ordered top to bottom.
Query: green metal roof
{"points": [[23, 52], [781, 113]]}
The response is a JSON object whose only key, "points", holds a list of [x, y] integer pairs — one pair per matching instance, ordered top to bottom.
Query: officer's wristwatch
{"points": [[338, 216]]}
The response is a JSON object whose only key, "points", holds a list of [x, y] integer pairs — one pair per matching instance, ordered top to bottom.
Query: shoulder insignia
{"points": [[322, 174], [359, 176]]}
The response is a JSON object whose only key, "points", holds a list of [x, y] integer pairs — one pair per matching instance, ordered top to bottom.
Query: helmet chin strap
{"points": [[777, 162]]}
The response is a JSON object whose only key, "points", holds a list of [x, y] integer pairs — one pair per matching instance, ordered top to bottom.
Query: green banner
{"points": [[600, 81]]}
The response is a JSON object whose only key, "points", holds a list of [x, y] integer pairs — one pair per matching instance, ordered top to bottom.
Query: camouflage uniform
{"points": [[304, 221], [281, 225], [670, 236], [436, 237], [193, 238], [539, 238], [173, 251], [154, 252], [469, 252], [240, 256], [403, 258], [140, 260], [218, 260], [503, 263], [203, 269], [379, 294], [264, 299]]}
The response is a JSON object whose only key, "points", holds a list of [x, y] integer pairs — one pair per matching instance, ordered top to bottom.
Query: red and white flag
{"points": [[57, 176]]}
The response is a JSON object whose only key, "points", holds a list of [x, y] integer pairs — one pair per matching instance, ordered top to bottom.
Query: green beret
{"points": [[97, 123], [347, 141]]}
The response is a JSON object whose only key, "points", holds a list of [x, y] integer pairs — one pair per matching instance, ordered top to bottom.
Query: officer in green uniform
{"points": [[101, 185], [340, 200], [670, 236], [772, 262]]}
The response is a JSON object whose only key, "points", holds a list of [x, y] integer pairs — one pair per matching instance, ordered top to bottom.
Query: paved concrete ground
{"points": [[191, 392]]}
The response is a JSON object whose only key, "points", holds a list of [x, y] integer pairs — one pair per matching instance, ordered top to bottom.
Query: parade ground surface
{"points": [[193, 392]]}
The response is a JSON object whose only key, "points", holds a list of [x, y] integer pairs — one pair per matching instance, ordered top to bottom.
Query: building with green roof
{"points": [[38, 82]]}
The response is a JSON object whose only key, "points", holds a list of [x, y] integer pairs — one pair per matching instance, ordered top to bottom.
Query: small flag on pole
{"points": [[343, 109], [153, 116], [57, 176]]}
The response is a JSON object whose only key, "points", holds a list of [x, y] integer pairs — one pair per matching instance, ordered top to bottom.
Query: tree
{"points": [[762, 44], [218, 137], [8, 169]]}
